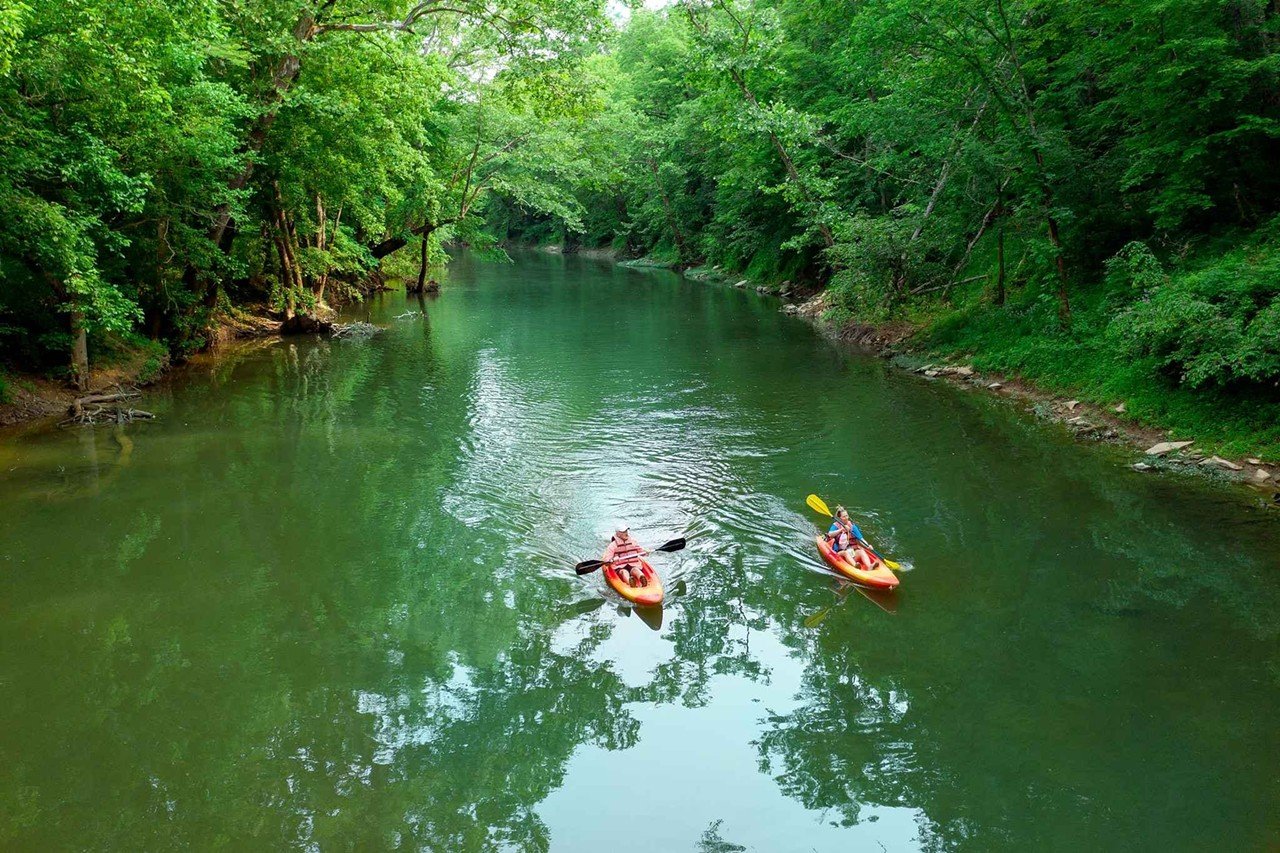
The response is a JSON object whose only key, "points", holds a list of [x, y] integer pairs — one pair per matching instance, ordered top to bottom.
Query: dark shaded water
{"points": [[326, 600]]}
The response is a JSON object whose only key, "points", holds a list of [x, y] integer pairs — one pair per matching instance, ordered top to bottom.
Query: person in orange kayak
{"points": [[846, 538], [624, 553]]}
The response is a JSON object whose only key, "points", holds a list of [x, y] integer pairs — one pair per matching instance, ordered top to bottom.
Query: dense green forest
{"points": [[166, 162], [1085, 194]]}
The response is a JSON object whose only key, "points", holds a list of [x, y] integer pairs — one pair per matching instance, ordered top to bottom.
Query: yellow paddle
{"points": [[817, 505]]}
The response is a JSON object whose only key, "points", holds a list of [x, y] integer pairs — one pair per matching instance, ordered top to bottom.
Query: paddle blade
{"points": [[817, 505], [673, 545], [588, 566], [897, 567], [816, 619]]}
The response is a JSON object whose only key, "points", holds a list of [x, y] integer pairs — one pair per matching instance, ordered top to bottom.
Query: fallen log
{"points": [[77, 407], [106, 415]]}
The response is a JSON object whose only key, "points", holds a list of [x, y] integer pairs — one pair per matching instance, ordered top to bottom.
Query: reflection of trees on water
{"points": [[711, 639], [254, 658], [1094, 681]]}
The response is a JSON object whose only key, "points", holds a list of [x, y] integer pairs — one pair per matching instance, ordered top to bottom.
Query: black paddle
{"points": [[588, 566]]}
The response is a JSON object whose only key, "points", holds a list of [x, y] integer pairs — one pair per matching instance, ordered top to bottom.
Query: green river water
{"points": [[326, 601]]}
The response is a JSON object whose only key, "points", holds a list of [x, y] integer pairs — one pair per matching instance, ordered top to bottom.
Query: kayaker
{"points": [[846, 537], [624, 553]]}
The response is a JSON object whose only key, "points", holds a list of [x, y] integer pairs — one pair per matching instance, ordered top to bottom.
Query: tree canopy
{"points": [[1004, 159], [165, 161]]}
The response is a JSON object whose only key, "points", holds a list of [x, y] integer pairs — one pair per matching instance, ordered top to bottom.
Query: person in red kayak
{"points": [[846, 538], [624, 553]]}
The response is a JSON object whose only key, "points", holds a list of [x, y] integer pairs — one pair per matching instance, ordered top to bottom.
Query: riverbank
{"points": [[918, 346], [939, 347], [29, 398], [1090, 419]]}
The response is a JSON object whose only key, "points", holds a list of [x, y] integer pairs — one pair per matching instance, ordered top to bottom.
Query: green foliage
{"points": [[12, 19], [165, 160], [168, 161], [1027, 181], [1217, 324], [1109, 357]]}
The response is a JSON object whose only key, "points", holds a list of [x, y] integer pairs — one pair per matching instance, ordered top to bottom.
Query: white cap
{"points": [[620, 526]]}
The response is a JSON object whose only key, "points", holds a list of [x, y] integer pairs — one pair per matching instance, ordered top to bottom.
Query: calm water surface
{"points": [[326, 601]]}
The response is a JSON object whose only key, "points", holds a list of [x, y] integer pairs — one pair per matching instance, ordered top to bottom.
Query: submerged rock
{"points": [[1167, 447]]}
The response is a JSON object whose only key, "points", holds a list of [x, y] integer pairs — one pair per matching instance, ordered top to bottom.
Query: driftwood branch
{"points": [[354, 330], [77, 407], [94, 415]]}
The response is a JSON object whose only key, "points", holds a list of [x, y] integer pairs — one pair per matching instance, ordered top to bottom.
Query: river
{"points": [[326, 600]]}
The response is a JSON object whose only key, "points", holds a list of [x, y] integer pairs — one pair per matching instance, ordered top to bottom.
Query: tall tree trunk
{"points": [[282, 78], [1037, 147], [793, 174], [319, 243], [681, 247], [1060, 263], [422, 265], [286, 275], [290, 275], [900, 279], [1000, 295], [79, 350], [79, 354]]}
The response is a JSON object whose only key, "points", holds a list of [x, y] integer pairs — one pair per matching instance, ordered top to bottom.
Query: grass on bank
{"points": [[1195, 351]]}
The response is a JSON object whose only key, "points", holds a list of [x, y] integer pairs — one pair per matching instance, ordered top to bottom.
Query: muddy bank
{"points": [[35, 399]]}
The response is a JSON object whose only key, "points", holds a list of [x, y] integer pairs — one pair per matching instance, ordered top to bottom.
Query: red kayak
{"points": [[878, 578], [644, 596]]}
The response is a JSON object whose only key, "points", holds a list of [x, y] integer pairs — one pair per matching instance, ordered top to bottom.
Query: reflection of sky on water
{"points": [[695, 766]]}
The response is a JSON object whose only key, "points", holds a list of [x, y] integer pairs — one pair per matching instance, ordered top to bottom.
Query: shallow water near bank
{"points": [[328, 597]]}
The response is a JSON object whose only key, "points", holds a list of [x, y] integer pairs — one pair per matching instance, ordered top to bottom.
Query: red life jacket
{"points": [[625, 552]]}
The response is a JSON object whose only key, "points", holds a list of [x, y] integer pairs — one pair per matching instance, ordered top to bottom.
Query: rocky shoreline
{"points": [[1157, 450]]}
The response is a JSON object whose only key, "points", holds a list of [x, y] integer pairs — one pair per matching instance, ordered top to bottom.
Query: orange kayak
{"points": [[878, 578], [647, 595]]}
